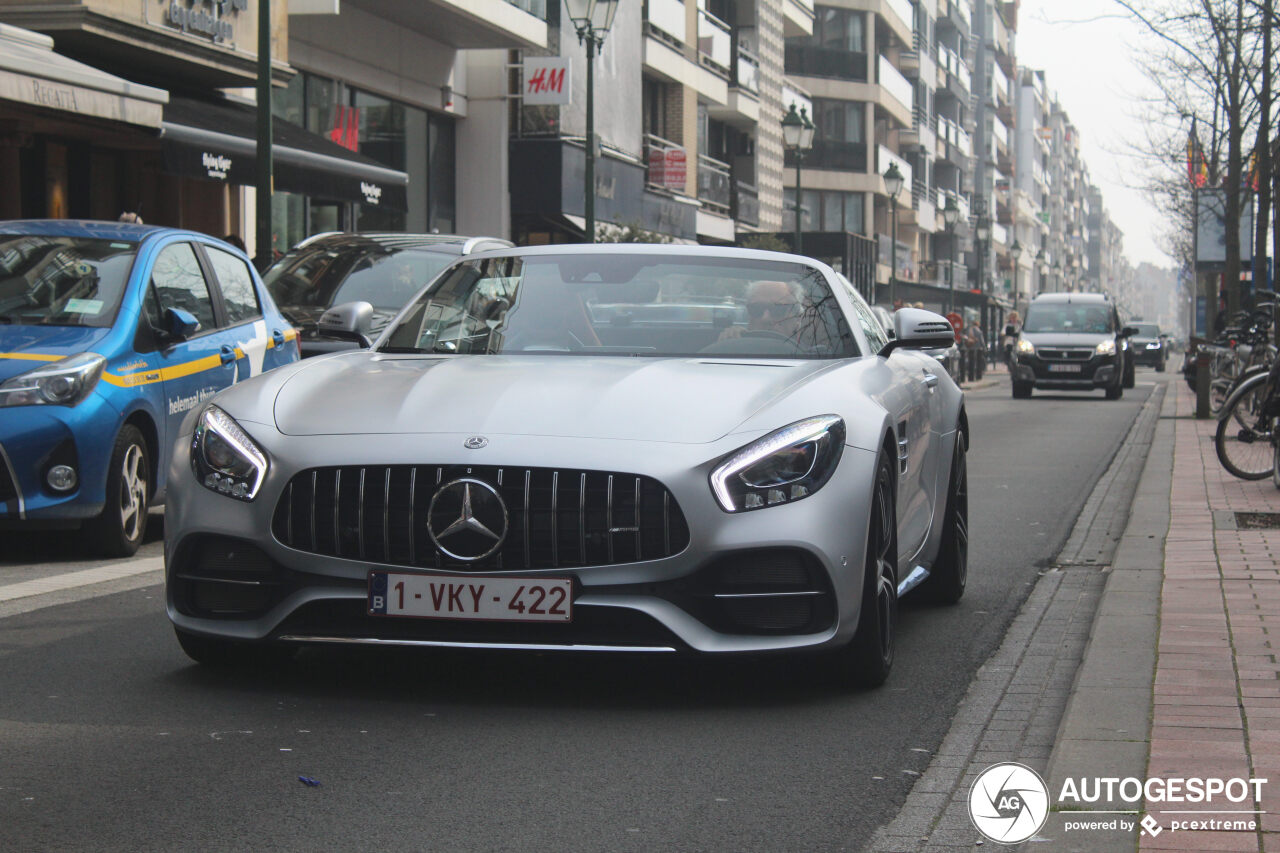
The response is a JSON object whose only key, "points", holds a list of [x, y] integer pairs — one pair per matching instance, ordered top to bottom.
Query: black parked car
{"points": [[344, 269], [1076, 342], [1150, 347]]}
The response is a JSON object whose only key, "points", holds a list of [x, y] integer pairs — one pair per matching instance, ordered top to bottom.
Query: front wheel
{"points": [[1021, 390], [1115, 392], [1244, 435], [119, 530], [950, 573], [869, 658]]}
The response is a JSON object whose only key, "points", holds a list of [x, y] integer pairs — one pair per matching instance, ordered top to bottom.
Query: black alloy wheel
{"points": [[950, 573], [869, 658]]}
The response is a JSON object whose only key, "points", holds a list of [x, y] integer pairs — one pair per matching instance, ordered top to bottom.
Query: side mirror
{"points": [[348, 321], [180, 324], [915, 328], [1128, 331]]}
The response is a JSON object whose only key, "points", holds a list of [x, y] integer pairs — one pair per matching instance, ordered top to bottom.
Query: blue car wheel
{"points": [[119, 530]]}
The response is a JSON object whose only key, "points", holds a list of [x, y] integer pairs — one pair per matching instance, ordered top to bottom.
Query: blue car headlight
{"points": [[65, 382], [224, 458], [782, 467]]}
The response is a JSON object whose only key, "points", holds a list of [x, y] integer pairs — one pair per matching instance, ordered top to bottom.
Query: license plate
{"points": [[1064, 368], [483, 599]]}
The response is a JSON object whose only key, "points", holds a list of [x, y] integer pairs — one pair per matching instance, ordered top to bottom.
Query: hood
{"points": [[1068, 339], [22, 347], [688, 401]]}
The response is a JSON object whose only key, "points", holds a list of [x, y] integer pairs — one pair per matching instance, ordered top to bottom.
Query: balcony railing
{"points": [[537, 8], [904, 10], [668, 17], [715, 42], [809, 61], [746, 71], [895, 84], [832, 154], [666, 163], [714, 184], [744, 205]]}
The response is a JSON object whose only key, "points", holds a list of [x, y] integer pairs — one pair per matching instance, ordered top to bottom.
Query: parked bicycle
{"points": [[1246, 439]]}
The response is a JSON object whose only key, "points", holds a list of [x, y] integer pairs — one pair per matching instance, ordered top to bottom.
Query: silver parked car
{"points": [[606, 448]]}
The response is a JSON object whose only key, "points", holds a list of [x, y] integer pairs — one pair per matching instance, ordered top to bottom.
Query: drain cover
{"points": [[1258, 520]]}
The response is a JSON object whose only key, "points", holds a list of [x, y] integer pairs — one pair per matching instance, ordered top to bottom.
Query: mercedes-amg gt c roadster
{"points": [[627, 448]]}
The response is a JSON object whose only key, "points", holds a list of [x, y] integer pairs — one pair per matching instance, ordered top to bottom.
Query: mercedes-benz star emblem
{"points": [[475, 442], [471, 516]]}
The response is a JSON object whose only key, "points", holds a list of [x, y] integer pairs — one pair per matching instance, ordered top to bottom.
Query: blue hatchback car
{"points": [[109, 335]]}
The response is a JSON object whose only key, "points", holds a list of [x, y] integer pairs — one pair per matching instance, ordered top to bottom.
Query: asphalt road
{"points": [[110, 739]]}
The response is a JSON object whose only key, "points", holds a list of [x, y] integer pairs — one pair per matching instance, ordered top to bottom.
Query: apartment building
{"points": [[1031, 189], [994, 200]]}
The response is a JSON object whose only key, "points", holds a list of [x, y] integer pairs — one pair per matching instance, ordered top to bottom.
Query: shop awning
{"points": [[32, 74], [217, 140]]}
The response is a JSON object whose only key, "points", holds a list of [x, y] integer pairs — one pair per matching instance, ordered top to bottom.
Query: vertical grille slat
{"points": [[616, 522]]}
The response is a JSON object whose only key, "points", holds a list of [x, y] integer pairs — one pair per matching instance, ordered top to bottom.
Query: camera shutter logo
{"points": [[1008, 803]]}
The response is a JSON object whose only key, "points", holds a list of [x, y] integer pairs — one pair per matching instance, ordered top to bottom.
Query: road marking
{"points": [[86, 577]]}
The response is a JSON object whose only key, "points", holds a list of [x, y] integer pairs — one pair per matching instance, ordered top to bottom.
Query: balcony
{"points": [[905, 12], [957, 15], [667, 20], [715, 43], [806, 61], [746, 69], [901, 93], [833, 155], [885, 157], [666, 164], [714, 185], [744, 204]]}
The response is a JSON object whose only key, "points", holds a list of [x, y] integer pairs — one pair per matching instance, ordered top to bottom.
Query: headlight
{"points": [[1153, 345], [1025, 347], [1107, 347], [63, 383], [224, 457], [786, 465]]}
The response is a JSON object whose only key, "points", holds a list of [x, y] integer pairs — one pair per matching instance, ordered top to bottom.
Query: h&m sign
{"points": [[546, 80]]}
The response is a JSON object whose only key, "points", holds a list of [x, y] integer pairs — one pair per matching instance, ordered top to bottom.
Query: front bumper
{"points": [[1150, 357], [1098, 371], [34, 438], [254, 587]]}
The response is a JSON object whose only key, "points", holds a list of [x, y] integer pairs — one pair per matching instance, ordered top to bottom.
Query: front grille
{"points": [[1066, 354], [556, 518]]}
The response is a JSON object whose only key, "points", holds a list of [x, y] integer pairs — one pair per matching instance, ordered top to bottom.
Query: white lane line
{"points": [[71, 580]]}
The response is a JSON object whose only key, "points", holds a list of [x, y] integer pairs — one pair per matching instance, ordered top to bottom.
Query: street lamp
{"points": [[592, 20], [797, 137], [893, 185], [950, 216], [982, 232], [1015, 252], [1042, 267]]}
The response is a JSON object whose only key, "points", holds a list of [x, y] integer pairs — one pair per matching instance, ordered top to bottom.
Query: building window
{"points": [[839, 29], [840, 121], [825, 210]]}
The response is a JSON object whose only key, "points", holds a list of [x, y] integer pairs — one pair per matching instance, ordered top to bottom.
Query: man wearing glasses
{"points": [[772, 306]]}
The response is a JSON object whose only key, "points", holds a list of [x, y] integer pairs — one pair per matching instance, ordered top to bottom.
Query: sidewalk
{"points": [[1213, 696]]}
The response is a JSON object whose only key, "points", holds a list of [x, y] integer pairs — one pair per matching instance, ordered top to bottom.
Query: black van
{"points": [[1073, 342]]}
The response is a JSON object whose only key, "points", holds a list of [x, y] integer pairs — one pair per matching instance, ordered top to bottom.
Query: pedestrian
{"points": [[131, 217], [234, 239], [1012, 326], [976, 344]]}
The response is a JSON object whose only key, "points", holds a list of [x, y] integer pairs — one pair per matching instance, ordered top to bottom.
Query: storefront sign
{"points": [[208, 18], [546, 80], [215, 166], [372, 192]]}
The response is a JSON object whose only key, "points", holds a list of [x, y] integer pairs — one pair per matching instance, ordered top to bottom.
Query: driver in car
{"points": [[772, 306]]}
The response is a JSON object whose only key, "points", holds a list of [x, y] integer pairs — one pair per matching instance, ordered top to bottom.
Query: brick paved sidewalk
{"points": [[1216, 698]]}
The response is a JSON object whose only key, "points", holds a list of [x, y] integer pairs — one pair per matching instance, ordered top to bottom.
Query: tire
{"points": [[1160, 366], [1021, 390], [1115, 392], [1243, 437], [1275, 462], [120, 529], [950, 573], [228, 654], [868, 659]]}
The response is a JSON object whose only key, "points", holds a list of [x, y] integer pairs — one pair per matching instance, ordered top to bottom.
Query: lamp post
{"points": [[592, 20], [797, 137], [893, 185], [950, 216], [981, 234], [1015, 252], [1041, 267]]}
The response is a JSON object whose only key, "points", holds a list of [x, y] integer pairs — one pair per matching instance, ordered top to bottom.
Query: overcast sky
{"points": [[1086, 48]]}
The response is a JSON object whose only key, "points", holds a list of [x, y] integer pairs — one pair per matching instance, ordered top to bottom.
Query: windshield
{"points": [[320, 277], [62, 281], [631, 305], [1064, 317], [1147, 330]]}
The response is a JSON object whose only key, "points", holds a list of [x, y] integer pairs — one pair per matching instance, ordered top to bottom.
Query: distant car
{"points": [[342, 269], [109, 335], [1074, 342], [1150, 347], [618, 448]]}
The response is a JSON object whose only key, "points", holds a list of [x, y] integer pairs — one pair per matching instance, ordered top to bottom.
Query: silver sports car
{"points": [[590, 448]]}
